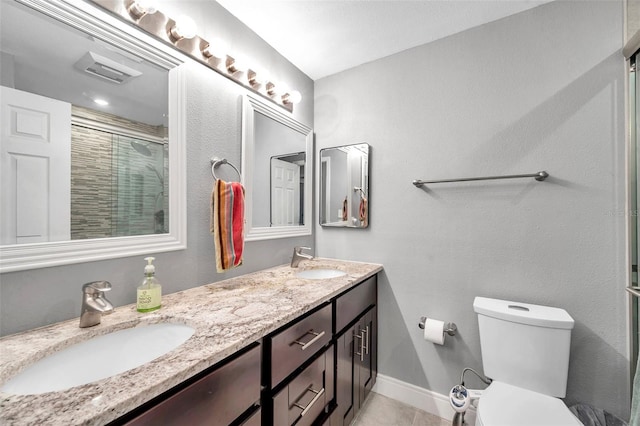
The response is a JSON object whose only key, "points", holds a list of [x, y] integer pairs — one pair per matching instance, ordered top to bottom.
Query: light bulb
{"points": [[139, 8], [184, 27], [217, 48], [206, 51], [240, 63], [262, 76], [282, 89], [283, 92], [295, 97], [101, 102]]}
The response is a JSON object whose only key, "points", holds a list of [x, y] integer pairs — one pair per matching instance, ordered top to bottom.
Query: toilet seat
{"points": [[502, 404]]}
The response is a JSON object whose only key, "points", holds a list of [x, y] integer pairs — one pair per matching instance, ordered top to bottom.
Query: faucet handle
{"points": [[298, 249], [96, 287]]}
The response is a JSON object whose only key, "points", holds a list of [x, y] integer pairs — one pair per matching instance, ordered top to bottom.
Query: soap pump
{"points": [[150, 291]]}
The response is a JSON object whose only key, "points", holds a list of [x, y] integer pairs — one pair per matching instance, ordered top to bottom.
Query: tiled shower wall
{"points": [[94, 182]]}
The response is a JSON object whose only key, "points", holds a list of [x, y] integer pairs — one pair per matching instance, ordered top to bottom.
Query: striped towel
{"points": [[227, 223]]}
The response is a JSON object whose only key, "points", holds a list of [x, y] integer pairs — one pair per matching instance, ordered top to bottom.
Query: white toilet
{"points": [[525, 350]]}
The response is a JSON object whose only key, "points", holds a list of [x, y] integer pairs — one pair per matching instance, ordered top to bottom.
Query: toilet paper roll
{"points": [[434, 331]]}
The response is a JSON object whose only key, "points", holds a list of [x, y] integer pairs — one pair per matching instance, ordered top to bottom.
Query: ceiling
{"points": [[323, 37]]}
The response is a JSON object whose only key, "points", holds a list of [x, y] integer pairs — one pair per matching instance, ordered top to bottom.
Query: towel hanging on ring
{"points": [[227, 223]]}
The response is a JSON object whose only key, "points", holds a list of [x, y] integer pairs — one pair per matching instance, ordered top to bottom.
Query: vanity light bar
{"points": [[182, 34]]}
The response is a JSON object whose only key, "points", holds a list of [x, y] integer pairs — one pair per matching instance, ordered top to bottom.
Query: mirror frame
{"points": [[90, 19], [252, 105]]}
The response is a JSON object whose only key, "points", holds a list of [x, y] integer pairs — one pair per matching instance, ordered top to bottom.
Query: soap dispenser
{"points": [[150, 291]]}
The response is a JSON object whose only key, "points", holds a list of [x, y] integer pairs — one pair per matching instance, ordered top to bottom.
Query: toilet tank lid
{"points": [[523, 313]]}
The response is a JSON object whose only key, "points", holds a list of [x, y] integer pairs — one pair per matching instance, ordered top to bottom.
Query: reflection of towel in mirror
{"points": [[364, 212], [227, 223]]}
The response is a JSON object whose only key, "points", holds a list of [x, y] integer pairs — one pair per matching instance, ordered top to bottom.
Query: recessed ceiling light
{"points": [[101, 102]]}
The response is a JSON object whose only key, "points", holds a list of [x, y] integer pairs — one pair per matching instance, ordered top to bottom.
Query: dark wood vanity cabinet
{"points": [[356, 351], [316, 370], [330, 389], [226, 394]]}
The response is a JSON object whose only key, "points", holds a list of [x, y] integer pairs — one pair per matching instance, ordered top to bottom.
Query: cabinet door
{"points": [[347, 398]]}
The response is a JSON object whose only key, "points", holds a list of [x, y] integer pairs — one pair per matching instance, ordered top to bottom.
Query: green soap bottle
{"points": [[150, 291]]}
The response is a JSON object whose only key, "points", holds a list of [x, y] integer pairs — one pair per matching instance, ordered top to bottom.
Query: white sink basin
{"points": [[320, 274], [98, 358]]}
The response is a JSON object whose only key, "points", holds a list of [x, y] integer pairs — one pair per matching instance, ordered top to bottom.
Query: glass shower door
{"points": [[141, 202]]}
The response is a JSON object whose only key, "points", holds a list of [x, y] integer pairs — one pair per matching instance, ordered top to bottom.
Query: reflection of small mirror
{"points": [[275, 154], [344, 186]]}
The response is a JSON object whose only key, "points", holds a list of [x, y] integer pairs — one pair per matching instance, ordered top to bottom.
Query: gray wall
{"points": [[542, 90], [43, 296]]}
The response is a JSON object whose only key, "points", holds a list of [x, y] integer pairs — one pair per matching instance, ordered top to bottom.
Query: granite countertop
{"points": [[227, 316]]}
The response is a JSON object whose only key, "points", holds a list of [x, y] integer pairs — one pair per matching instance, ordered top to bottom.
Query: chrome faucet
{"points": [[299, 256], [94, 304]]}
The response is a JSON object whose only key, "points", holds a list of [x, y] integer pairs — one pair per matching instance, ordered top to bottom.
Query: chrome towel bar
{"points": [[540, 176]]}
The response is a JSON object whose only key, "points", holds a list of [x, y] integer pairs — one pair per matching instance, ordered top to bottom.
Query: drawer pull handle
{"points": [[366, 331], [317, 337], [362, 345], [306, 409]]}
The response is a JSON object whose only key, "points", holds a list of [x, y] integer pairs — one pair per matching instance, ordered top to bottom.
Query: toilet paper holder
{"points": [[450, 328]]}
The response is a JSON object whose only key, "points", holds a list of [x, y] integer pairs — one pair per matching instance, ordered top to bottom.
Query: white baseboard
{"points": [[423, 399]]}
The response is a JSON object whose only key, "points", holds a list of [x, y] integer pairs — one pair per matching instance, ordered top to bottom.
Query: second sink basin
{"points": [[320, 274], [98, 358]]}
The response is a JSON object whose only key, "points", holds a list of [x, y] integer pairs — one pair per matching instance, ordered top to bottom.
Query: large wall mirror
{"points": [[92, 146], [277, 154], [344, 186]]}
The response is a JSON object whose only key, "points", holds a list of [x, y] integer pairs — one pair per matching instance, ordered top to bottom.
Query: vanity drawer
{"points": [[355, 301], [298, 342], [218, 398], [304, 399]]}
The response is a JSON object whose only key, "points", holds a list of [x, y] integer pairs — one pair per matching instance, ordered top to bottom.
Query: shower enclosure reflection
{"points": [[118, 185], [140, 202]]}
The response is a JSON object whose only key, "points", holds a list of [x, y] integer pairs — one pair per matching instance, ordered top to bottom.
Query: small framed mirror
{"points": [[277, 152], [344, 186]]}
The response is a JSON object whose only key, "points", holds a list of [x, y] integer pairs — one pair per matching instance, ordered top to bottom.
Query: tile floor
{"points": [[379, 410]]}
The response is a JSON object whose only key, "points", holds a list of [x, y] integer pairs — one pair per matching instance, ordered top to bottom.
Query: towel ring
{"points": [[216, 161]]}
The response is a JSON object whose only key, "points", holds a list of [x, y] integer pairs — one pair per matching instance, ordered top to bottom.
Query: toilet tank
{"points": [[525, 345]]}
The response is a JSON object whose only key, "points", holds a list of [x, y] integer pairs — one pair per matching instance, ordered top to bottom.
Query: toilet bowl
{"points": [[502, 404]]}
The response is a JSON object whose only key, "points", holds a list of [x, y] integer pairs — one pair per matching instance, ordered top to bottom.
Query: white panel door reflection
{"points": [[35, 158], [285, 191]]}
